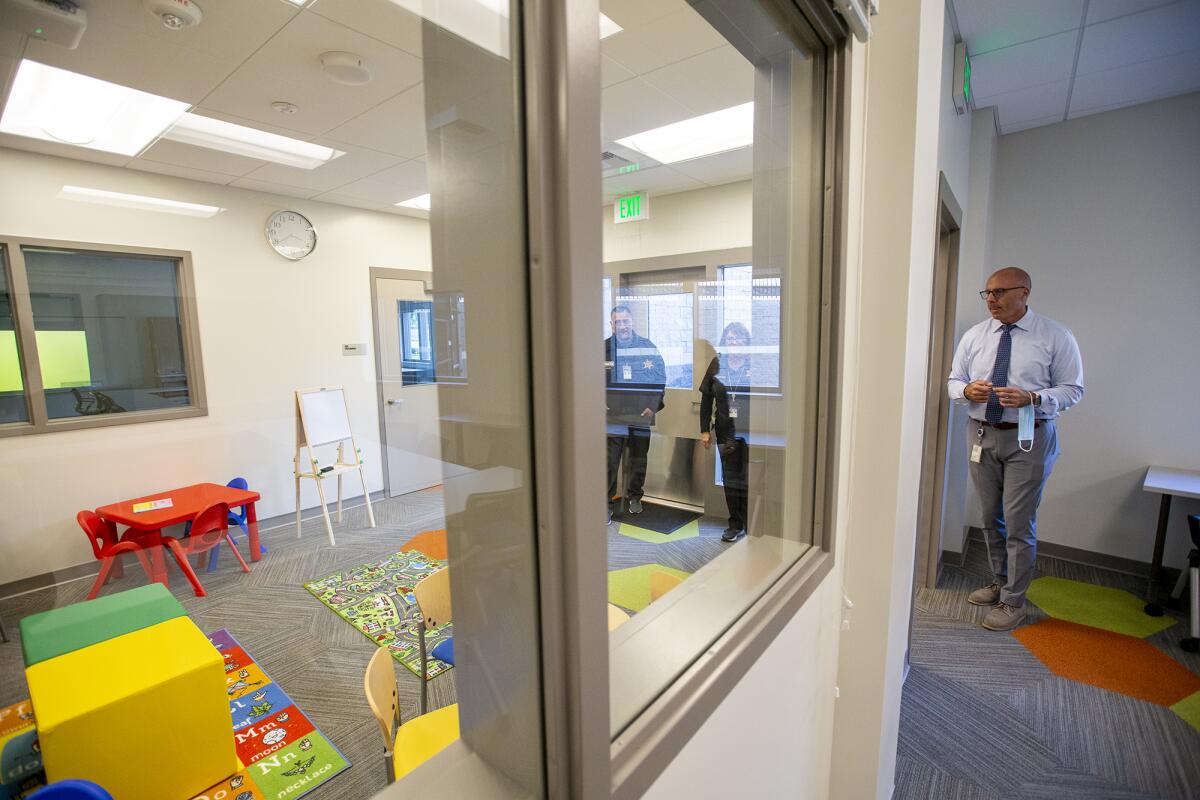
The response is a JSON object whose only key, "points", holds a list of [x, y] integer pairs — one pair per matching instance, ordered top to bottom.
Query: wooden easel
{"points": [[332, 426]]}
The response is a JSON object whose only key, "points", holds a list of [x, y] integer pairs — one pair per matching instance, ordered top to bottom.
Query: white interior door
{"points": [[404, 341]]}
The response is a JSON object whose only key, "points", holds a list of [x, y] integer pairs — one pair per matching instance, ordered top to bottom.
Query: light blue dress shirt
{"points": [[1045, 359]]}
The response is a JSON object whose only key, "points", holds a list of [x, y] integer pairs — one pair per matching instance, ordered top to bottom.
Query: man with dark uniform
{"points": [[635, 380]]}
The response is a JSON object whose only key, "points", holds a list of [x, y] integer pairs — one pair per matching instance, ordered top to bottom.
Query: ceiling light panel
{"points": [[608, 27], [57, 105], [718, 132], [217, 134], [104, 197], [420, 202]]}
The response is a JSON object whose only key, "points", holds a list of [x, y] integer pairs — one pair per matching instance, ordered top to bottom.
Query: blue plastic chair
{"points": [[236, 517], [73, 789]]}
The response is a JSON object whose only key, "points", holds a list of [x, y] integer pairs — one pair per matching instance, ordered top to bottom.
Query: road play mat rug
{"points": [[377, 599], [283, 755]]}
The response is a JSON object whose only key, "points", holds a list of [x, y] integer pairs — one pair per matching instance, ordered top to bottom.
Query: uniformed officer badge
{"points": [[647, 364]]}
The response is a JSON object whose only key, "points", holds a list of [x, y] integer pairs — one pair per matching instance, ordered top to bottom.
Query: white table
{"points": [[1169, 483]]}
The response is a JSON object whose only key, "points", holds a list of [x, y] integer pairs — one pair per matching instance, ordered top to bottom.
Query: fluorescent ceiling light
{"points": [[608, 27], [57, 105], [718, 132], [250, 142], [138, 201], [420, 201]]}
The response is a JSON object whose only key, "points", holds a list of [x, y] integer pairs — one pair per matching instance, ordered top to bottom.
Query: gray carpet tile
{"points": [[316, 657], [980, 713]]}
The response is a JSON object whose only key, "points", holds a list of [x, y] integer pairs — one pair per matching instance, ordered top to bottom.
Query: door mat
{"points": [[656, 517], [688, 531], [377, 600], [283, 754]]}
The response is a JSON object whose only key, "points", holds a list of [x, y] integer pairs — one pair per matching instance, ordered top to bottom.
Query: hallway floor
{"points": [[983, 719]]}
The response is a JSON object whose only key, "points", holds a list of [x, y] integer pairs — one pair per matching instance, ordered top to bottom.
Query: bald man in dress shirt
{"points": [[1017, 358]]}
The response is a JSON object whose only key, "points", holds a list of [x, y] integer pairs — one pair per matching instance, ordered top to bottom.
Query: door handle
{"points": [[395, 402]]}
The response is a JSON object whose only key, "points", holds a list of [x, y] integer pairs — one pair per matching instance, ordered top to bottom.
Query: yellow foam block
{"points": [[145, 715]]}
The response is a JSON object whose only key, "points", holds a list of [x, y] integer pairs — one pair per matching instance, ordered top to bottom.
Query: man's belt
{"points": [[1008, 426]]}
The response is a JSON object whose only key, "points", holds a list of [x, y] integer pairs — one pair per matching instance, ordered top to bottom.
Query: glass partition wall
{"points": [[714, 288]]}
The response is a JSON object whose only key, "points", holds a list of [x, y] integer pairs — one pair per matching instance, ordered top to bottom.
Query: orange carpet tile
{"points": [[431, 543], [1109, 660]]}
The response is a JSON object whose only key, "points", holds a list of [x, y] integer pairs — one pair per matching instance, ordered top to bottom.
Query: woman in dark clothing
{"points": [[724, 411]]}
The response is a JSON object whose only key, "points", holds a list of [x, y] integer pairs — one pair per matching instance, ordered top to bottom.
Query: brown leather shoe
{"points": [[987, 596], [1004, 618]]}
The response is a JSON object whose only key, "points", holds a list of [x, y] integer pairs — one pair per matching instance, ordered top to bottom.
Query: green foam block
{"points": [[65, 630]]}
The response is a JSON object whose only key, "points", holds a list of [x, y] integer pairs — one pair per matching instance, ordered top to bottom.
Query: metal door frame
{"points": [[425, 277]]}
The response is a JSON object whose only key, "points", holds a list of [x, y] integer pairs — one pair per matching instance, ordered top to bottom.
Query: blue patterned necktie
{"points": [[995, 412]]}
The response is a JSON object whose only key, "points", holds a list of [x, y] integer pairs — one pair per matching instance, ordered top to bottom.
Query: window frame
{"points": [[562, 138], [38, 421]]}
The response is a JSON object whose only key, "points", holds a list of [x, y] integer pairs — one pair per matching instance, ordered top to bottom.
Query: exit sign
{"points": [[961, 88], [632, 208]]}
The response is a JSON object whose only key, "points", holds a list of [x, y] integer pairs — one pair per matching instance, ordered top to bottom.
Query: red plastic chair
{"points": [[209, 528], [102, 535]]}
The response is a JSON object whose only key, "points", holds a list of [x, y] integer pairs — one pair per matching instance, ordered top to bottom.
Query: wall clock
{"points": [[291, 234]]}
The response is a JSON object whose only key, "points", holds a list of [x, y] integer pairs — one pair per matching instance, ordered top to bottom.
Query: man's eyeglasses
{"points": [[998, 293]]}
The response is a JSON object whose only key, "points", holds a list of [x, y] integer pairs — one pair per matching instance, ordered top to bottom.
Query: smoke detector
{"points": [[175, 15], [348, 68]]}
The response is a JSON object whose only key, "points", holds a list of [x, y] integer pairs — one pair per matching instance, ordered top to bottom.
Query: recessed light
{"points": [[608, 27], [57, 105], [217, 134], [705, 135], [141, 202], [420, 202]]}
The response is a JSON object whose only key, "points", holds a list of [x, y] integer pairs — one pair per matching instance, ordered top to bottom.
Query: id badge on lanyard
{"points": [[627, 372]]}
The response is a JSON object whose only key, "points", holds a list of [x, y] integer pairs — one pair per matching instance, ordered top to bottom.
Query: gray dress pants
{"points": [[1009, 484]]}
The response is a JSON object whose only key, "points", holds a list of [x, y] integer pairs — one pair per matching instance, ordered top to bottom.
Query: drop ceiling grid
{"points": [[1112, 53]]}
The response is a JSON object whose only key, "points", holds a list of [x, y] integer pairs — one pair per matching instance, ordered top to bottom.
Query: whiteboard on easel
{"points": [[325, 417]]}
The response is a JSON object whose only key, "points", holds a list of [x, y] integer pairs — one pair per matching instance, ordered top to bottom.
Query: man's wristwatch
{"points": [[1035, 398]]}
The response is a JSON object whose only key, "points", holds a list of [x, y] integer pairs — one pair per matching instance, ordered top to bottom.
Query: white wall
{"points": [[954, 130], [899, 191], [1103, 211], [718, 218], [268, 326], [959, 504]]}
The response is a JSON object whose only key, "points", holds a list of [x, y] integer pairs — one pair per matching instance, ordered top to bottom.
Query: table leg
{"points": [[252, 532], [1153, 607]]}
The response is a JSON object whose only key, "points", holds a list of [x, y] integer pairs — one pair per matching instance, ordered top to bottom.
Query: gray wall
{"points": [[1104, 211]]}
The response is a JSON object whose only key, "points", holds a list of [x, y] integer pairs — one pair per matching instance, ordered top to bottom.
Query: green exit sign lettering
{"points": [[631, 208]]}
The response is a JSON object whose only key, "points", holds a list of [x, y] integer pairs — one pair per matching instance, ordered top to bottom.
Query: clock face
{"points": [[291, 234]]}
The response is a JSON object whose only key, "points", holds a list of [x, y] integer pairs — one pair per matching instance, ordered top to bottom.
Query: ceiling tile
{"points": [[1100, 10], [630, 14], [379, 19], [988, 25], [1140, 37], [664, 41], [12, 42], [123, 56], [1022, 65], [287, 68], [611, 72], [707, 82], [1137, 83], [1033, 102], [635, 106], [1033, 123], [396, 126], [165, 151], [355, 164], [736, 165], [176, 171], [659, 180], [387, 187], [274, 188], [347, 200], [400, 211]]}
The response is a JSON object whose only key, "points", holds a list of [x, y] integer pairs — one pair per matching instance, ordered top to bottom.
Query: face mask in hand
{"points": [[1025, 428]]}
